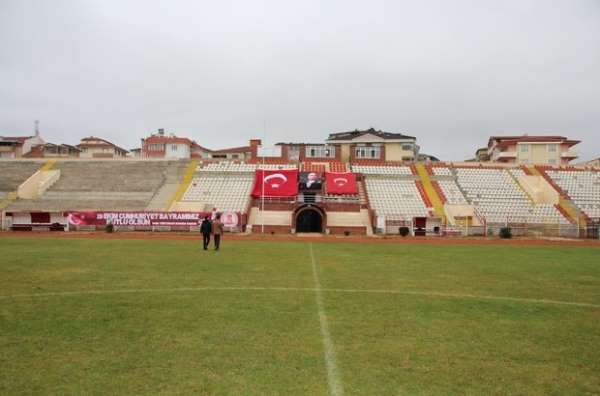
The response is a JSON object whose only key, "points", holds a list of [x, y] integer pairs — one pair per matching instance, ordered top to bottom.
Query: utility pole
{"points": [[262, 195]]}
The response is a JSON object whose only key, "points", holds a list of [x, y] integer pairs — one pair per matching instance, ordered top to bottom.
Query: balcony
{"points": [[570, 154], [504, 155]]}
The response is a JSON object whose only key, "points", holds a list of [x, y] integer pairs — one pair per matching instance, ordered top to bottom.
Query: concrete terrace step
{"points": [[13, 173], [112, 176], [58, 205]]}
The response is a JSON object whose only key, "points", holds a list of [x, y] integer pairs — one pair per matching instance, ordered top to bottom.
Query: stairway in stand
{"points": [[429, 190], [565, 206]]}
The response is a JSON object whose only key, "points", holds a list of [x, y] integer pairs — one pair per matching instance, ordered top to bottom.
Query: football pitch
{"points": [[132, 317]]}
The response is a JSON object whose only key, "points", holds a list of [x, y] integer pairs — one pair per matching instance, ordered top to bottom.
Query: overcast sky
{"points": [[451, 73]]}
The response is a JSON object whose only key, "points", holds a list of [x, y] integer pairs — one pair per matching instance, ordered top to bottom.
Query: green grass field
{"points": [[84, 316]]}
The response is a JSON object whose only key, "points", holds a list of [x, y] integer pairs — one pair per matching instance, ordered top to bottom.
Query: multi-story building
{"points": [[369, 145], [373, 145], [18, 146], [166, 146], [171, 146], [95, 147], [525, 149], [51, 150], [232, 154], [593, 163]]}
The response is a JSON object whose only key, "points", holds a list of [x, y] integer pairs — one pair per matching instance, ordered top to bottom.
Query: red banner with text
{"points": [[148, 219]]}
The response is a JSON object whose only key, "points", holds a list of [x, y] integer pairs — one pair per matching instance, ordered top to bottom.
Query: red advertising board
{"points": [[275, 183], [341, 183], [229, 219]]}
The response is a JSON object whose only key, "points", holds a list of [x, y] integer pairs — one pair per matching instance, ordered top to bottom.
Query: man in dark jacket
{"points": [[205, 230]]}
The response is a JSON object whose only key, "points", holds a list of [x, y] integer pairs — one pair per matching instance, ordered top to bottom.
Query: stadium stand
{"points": [[276, 166], [228, 167], [312, 167], [338, 167], [382, 170], [441, 171], [13, 173], [109, 176], [174, 176], [101, 185], [225, 185], [582, 187], [392, 190], [440, 192], [452, 192], [395, 197], [499, 198]]}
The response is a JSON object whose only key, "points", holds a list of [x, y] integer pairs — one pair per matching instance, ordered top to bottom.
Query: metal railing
{"points": [[518, 228]]}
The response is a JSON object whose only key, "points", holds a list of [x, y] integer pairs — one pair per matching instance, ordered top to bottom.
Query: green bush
{"points": [[404, 231], [505, 233]]}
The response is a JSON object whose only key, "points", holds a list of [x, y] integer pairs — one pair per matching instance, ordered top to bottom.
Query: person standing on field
{"points": [[217, 229], [205, 230]]}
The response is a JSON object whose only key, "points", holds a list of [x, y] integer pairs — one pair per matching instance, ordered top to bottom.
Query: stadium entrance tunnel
{"points": [[309, 219]]}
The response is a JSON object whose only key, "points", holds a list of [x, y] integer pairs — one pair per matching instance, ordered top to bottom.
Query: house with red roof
{"points": [[160, 145], [18, 146], [95, 147]]}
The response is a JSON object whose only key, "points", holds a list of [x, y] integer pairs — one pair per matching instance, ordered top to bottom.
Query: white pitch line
{"points": [[302, 289], [465, 296], [333, 378]]}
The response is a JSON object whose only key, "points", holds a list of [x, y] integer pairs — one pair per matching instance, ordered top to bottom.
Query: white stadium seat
{"points": [[583, 187], [395, 197], [499, 198]]}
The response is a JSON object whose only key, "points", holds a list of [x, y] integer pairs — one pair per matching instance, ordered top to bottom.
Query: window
{"points": [[156, 147], [173, 147], [407, 147], [524, 148], [552, 148], [320, 151], [373, 152], [235, 156], [524, 160], [552, 161]]}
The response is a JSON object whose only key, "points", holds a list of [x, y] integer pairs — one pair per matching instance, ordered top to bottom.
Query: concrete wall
{"points": [[179, 151], [345, 152], [394, 152], [539, 153], [37, 184], [539, 189], [189, 206], [454, 211], [270, 217], [343, 219]]}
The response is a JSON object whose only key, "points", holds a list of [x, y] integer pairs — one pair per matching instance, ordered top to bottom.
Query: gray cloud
{"points": [[450, 73]]}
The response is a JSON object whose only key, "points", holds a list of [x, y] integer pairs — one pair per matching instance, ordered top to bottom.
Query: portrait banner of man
{"points": [[310, 181]]}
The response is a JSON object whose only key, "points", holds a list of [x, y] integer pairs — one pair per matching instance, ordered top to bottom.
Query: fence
{"points": [[390, 225]]}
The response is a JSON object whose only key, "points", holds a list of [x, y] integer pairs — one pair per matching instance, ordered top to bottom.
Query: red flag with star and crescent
{"points": [[275, 183], [341, 183]]}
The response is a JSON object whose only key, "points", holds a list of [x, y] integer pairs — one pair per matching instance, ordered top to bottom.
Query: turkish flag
{"points": [[275, 183], [341, 183]]}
